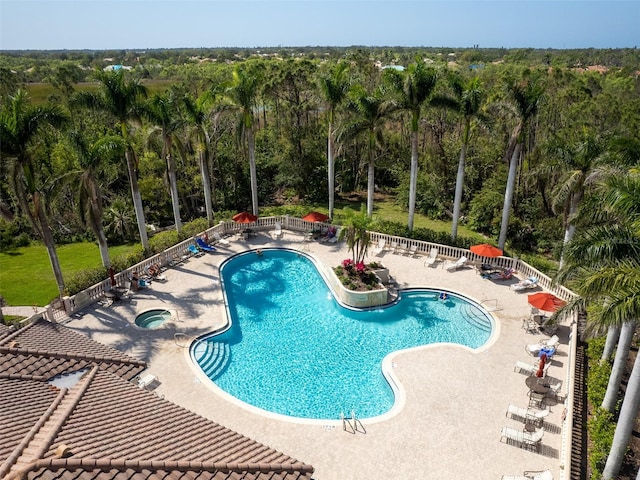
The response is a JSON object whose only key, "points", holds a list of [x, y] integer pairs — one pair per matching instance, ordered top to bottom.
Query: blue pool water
{"points": [[293, 350]]}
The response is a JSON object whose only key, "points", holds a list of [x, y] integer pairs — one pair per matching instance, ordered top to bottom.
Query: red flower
{"points": [[347, 263], [360, 268]]}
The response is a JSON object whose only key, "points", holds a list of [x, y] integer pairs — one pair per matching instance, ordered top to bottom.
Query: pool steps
{"points": [[477, 319], [212, 357]]}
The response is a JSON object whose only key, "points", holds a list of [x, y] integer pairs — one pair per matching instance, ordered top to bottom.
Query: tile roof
{"points": [[43, 350], [108, 427]]}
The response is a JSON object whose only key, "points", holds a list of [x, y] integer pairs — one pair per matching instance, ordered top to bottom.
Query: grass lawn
{"points": [[26, 277]]}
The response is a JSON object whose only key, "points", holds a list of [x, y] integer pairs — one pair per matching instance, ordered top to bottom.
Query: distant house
{"points": [[116, 67], [71, 410]]}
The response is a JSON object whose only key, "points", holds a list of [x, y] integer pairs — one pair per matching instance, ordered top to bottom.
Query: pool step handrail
{"points": [[491, 309], [346, 422]]}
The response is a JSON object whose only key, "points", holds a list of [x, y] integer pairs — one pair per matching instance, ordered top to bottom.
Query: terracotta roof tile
{"points": [[43, 350]]}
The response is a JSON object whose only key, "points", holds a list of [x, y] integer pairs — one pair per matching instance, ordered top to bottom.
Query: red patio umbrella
{"points": [[244, 217], [315, 217], [486, 250], [545, 301], [543, 361]]}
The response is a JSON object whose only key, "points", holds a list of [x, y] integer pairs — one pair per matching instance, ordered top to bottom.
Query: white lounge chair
{"points": [[276, 233], [218, 239], [379, 248], [401, 249], [412, 251], [432, 258], [461, 262], [527, 283], [534, 348], [527, 368], [527, 415], [528, 440], [540, 475]]}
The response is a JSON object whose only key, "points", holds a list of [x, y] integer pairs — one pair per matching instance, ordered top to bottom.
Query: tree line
{"points": [[539, 157]]}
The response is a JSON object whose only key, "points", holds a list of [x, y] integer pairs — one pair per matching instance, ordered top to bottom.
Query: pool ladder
{"points": [[352, 425]]}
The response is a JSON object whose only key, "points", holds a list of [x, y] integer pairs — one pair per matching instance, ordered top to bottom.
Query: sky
{"points": [[146, 24]]}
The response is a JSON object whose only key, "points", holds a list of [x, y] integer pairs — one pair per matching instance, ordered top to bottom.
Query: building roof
{"points": [[102, 426]]}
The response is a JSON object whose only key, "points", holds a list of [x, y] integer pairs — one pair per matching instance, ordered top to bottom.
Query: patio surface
{"points": [[455, 399]]}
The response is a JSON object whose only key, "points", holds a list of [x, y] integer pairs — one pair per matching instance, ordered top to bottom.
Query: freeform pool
{"points": [[152, 318], [292, 349]]}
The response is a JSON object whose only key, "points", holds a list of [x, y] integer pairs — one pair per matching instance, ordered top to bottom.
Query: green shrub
{"points": [[193, 228], [425, 234], [163, 240], [84, 279], [601, 427]]}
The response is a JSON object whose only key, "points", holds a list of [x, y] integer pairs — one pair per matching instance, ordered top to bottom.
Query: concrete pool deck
{"points": [[455, 399]]}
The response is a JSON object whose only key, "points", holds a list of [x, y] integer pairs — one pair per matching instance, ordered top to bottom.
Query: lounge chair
{"points": [[277, 231], [219, 239], [202, 245], [394, 246], [379, 248], [401, 249], [195, 251], [412, 251], [432, 258], [461, 262], [155, 273], [506, 275], [526, 284], [534, 348], [529, 369], [527, 415], [528, 440], [539, 475]]}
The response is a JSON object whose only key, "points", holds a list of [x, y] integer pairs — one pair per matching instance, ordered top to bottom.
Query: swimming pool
{"points": [[292, 349]]}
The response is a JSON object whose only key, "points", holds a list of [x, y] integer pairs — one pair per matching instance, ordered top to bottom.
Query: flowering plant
{"points": [[347, 263], [360, 267]]}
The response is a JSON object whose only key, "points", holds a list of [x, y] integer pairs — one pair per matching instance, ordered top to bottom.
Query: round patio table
{"points": [[538, 385]]}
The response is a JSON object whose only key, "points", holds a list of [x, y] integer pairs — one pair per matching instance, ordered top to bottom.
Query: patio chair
{"points": [[277, 231], [218, 238], [202, 245], [379, 248], [401, 249], [195, 251], [412, 251], [432, 258], [461, 262], [506, 275], [526, 284], [530, 325], [548, 346], [527, 368], [536, 399], [527, 415], [528, 440], [539, 475]]}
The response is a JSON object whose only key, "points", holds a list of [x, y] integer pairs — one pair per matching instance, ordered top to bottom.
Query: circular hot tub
{"points": [[153, 318]]}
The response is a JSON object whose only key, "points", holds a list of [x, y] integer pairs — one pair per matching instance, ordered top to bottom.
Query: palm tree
{"points": [[334, 88], [413, 88], [243, 93], [527, 95], [469, 98], [120, 99], [162, 112], [371, 112], [197, 114], [21, 128], [583, 166], [89, 194], [355, 232], [605, 264]]}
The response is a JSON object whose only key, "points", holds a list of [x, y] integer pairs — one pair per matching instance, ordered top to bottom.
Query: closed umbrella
{"points": [[244, 217], [315, 217], [486, 250], [112, 276], [545, 301], [543, 361]]}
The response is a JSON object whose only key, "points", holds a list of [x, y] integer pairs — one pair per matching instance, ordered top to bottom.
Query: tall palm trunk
{"points": [[252, 170], [331, 170], [370, 178], [413, 180], [206, 186], [173, 188], [508, 195], [137, 200], [457, 200], [570, 229], [49, 242], [613, 333], [619, 364], [626, 421]]}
